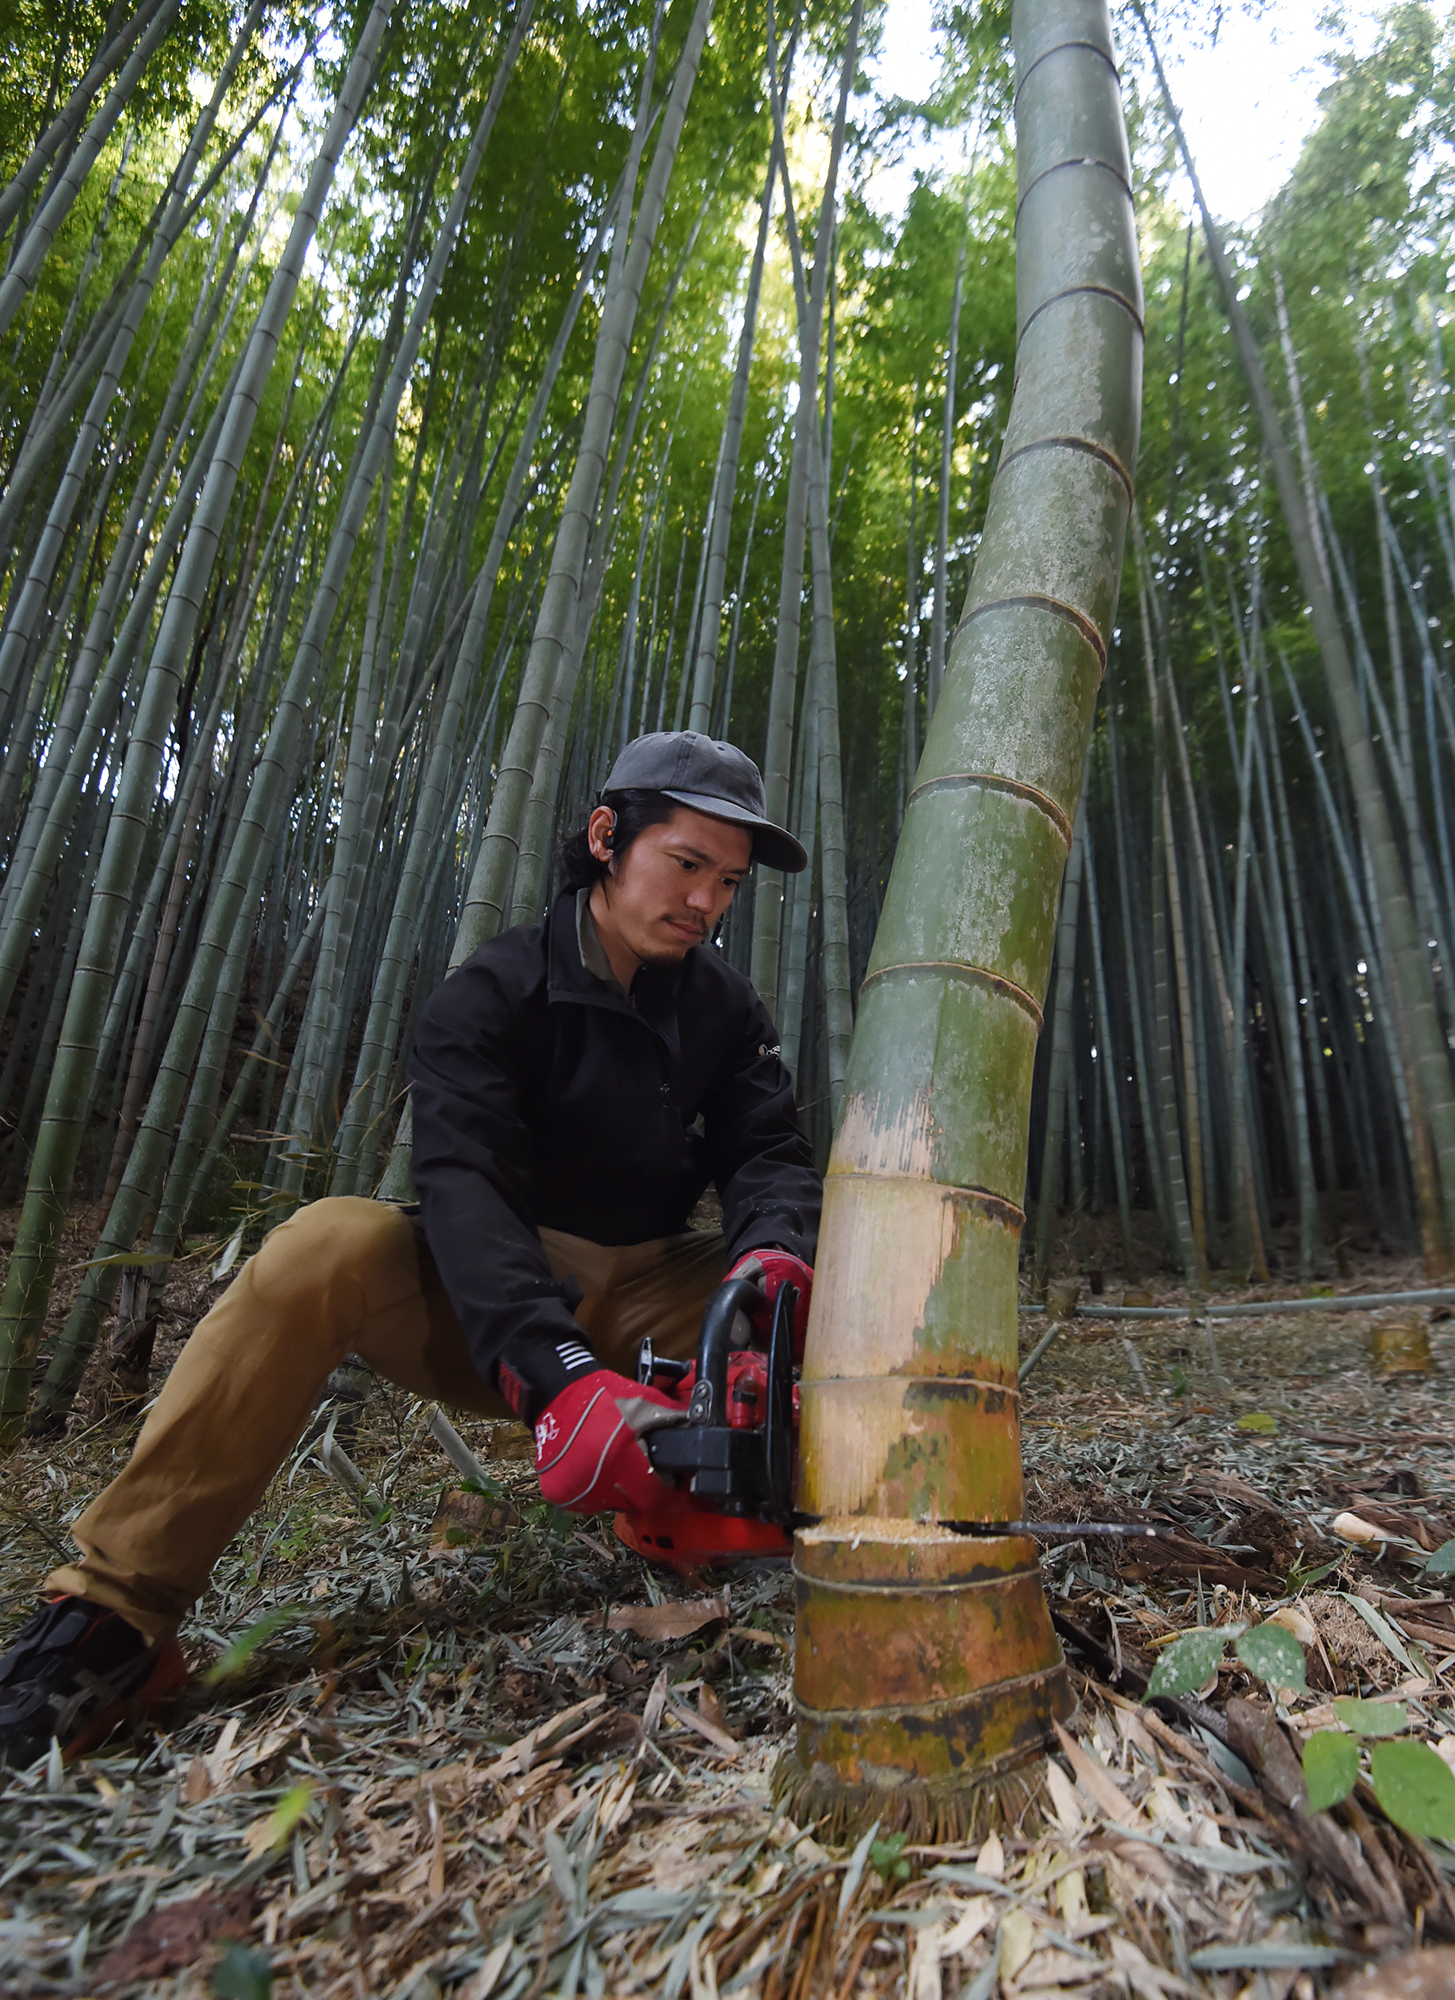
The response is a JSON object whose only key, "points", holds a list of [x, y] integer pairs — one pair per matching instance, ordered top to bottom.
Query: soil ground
{"points": [[454, 1743]]}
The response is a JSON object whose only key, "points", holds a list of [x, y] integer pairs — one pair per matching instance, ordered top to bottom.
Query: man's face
{"points": [[667, 892]]}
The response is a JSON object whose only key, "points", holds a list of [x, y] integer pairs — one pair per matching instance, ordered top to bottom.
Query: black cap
{"points": [[713, 778]]}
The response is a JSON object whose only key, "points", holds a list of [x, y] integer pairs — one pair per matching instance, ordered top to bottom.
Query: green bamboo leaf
{"points": [[1442, 1562], [1300, 1579], [1380, 1626], [1273, 1655], [236, 1656], [1188, 1661], [1372, 1718], [1330, 1768], [1415, 1787], [286, 1814], [242, 1974]]}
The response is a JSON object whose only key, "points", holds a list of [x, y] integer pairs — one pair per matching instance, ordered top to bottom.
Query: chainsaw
{"points": [[730, 1462]]}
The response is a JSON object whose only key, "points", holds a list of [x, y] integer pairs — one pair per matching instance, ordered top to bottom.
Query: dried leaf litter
{"points": [[460, 1745]]}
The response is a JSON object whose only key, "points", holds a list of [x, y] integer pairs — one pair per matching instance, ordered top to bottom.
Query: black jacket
{"points": [[543, 1098]]}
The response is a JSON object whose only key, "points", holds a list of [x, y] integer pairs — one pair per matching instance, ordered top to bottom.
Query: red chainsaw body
{"points": [[684, 1533]]}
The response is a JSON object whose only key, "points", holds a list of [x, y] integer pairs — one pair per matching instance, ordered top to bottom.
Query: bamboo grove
{"points": [[401, 406]]}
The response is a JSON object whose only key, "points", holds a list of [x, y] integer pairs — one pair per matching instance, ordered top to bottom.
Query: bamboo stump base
{"points": [[927, 1677]]}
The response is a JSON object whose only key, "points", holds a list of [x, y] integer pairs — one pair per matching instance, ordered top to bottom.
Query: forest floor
{"points": [[466, 1745]]}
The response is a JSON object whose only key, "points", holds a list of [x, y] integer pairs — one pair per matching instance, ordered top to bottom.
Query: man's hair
{"points": [[578, 867]]}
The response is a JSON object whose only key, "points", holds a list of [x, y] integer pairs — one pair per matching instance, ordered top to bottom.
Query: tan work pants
{"points": [[341, 1276]]}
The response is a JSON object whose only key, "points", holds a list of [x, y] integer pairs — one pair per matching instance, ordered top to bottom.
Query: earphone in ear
{"points": [[609, 837]]}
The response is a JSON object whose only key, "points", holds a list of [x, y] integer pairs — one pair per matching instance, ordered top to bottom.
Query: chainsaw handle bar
{"points": [[709, 1391]]}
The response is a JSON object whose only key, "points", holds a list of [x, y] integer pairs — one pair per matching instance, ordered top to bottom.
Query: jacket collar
{"points": [[654, 990]]}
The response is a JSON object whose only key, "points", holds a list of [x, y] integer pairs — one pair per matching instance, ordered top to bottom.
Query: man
{"points": [[575, 1085]]}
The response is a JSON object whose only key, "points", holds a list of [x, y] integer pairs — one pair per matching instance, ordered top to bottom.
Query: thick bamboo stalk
{"points": [[926, 1670]]}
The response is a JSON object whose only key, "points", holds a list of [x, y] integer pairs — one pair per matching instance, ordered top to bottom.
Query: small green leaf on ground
{"points": [[1259, 1421], [1442, 1562], [1300, 1579], [237, 1655], [1273, 1655], [1188, 1661], [1371, 1718], [1330, 1767], [1415, 1787], [269, 1834], [887, 1856], [242, 1975]]}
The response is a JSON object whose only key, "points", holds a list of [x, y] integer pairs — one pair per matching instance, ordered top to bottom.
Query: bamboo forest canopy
{"points": [[402, 405]]}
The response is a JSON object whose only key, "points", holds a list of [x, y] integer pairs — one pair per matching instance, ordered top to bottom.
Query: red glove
{"points": [[773, 1269], [589, 1454]]}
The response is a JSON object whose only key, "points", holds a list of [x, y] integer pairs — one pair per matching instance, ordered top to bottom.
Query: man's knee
{"points": [[345, 1249]]}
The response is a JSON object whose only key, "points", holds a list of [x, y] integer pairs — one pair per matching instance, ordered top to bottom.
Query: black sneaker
{"points": [[75, 1672]]}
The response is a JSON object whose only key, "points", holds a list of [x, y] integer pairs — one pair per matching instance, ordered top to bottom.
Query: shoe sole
{"points": [[169, 1675]]}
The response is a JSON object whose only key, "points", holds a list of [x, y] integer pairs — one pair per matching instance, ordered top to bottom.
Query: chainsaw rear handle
{"points": [[709, 1391]]}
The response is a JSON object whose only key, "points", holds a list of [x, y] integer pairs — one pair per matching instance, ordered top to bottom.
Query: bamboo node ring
{"points": [[996, 781], [972, 975]]}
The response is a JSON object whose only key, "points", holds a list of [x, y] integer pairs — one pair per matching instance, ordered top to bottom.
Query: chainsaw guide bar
{"points": [[727, 1462]]}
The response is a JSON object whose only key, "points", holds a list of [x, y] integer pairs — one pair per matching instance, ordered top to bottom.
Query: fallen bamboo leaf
{"points": [[229, 1255], [667, 1621], [1381, 1627], [755, 1635], [655, 1703], [711, 1709], [726, 1745], [520, 1757], [1098, 1784], [1063, 1799], [613, 1808], [854, 1873], [970, 1920], [1017, 1941], [1269, 1957], [924, 1964], [1148, 1980], [480, 1985]]}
